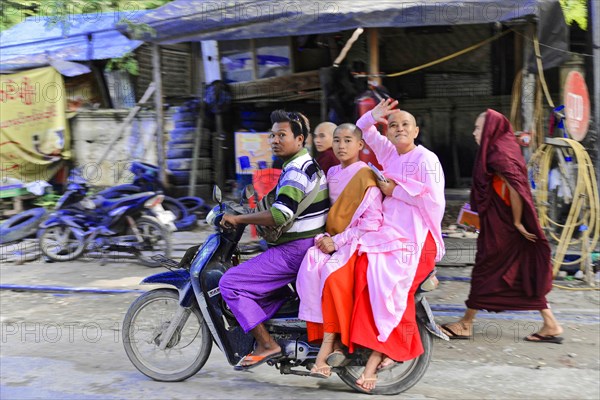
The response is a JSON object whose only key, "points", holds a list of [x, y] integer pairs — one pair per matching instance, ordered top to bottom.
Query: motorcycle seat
{"points": [[114, 203]]}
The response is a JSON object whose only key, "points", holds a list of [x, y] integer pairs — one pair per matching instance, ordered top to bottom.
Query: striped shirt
{"points": [[298, 178]]}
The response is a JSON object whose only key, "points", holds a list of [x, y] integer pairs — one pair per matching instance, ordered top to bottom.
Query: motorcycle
{"points": [[145, 179], [136, 224], [168, 332]]}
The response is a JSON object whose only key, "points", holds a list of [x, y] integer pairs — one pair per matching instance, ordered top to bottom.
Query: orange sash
{"points": [[501, 189], [340, 214]]}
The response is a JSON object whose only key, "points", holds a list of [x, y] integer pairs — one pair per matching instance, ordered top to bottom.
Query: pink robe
{"points": [[415, 208], [318, 266]]}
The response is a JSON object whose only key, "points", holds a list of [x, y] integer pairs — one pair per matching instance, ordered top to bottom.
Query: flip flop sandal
{"points": [[453, 335], [544, 339], [336, 359], [256, 360], [321, 372], [365, 380]]}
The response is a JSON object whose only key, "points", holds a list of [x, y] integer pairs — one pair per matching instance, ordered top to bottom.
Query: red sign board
{"points": [[577, 106]]}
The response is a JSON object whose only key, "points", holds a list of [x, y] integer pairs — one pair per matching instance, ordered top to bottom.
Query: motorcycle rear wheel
{"points": [[157, 240], [59, 243], [147, 319], [401, 377]]}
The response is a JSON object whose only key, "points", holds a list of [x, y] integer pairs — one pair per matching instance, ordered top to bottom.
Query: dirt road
{"points": [[67, 345]]}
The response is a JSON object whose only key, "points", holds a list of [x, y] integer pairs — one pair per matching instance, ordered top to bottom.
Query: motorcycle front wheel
{"points": [[59, 243], [147, 320], [401, 377]]}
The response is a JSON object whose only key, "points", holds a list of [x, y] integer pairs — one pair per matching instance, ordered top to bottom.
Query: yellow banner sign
{"points": [[34, 134]]}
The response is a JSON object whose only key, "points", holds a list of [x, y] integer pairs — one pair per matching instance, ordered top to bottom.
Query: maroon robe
{"points": [[327, 159], [510, 272]]}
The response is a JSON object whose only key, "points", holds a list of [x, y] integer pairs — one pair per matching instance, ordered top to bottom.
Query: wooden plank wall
{"points": [[176, 65]]}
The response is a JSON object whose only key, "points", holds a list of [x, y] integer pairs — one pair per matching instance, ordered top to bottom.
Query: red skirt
{"points": [[337, 302], [404, 343]]}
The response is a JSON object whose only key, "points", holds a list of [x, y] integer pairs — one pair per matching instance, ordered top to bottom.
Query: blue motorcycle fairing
{"points": [[129, 200], [118, 211], [59, 220], [65, 220], [203, 256], [207, 270], [179, 278]]}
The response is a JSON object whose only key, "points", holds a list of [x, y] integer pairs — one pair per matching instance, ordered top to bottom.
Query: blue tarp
{"points": [[190, 20], [33, 43]]}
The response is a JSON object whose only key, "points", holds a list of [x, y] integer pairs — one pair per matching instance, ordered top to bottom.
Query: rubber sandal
{"points": [[453, 335], [544, 339], [336, 359], [256, 360], [323, 372], [360, 385]]}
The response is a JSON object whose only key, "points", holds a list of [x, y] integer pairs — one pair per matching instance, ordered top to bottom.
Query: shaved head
{"points": [[403, 114], [327, 127], [349, 127], [402, 131], [323, 136]]}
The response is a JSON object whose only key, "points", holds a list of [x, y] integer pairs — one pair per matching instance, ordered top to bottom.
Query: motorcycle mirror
{"points": [[217, 195]]}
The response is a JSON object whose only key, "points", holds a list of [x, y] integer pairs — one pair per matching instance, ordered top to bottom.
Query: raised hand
{"points": [[383, 109]]}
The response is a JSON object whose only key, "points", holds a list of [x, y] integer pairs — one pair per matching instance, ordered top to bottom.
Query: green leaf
{"points": [[575, 12]]}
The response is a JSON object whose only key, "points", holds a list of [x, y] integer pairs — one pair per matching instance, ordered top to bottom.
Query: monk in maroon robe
{"points": [[512, 266]]}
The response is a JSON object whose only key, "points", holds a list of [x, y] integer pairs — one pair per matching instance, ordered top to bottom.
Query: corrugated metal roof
{"points": [[187, 20]]}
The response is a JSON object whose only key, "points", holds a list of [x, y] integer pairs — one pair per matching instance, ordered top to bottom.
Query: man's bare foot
{"points": [[550, 331], [259, 355]]}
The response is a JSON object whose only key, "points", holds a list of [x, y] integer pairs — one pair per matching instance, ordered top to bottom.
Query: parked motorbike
{"points": [[145, 179], [136, 224], [168, 332]]}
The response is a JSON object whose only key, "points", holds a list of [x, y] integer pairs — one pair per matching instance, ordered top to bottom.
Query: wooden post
{"points": [[595, 24], [518, 43], [374, 55], [255, 72], [198, 78], [528, 89], [515, 115], [324, 116], [160, 120], [218, 152]]}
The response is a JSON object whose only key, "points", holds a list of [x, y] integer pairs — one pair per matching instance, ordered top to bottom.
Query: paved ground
{"points": [[67, 344]]}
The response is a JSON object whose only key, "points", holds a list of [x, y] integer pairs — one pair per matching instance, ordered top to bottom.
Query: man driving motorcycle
{"points": [[251, 289]]}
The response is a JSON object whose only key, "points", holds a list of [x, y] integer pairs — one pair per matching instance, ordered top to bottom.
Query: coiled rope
{"points": [[584, 211]]}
